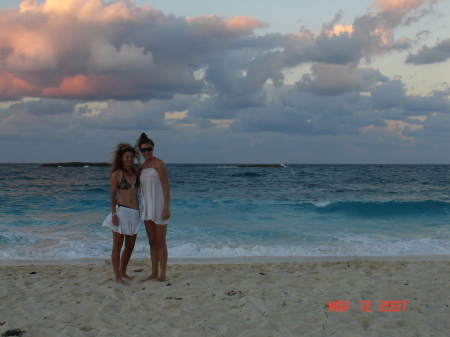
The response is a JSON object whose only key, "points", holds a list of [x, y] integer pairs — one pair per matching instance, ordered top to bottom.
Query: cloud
{"points": [[400, 6], [395, 12], [92, 50], [334, 52], [437, 54], [106, 58], [92, 67], [328, 79], [389, 95], [392, 96], [45, 107], [294, 111], [306, 113], [135, 115], [125, 116]]}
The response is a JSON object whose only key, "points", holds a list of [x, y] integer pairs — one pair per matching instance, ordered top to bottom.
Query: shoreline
{"points": [[234, 260]]}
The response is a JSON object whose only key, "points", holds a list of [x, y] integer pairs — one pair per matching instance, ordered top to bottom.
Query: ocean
{"points": [[226, 211]]}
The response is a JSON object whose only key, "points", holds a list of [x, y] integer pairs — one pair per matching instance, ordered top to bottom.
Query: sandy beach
{"points": [[229, 299]]}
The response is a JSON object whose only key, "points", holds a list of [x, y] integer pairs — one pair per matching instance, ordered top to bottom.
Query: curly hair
{"points": [[118, 153]]}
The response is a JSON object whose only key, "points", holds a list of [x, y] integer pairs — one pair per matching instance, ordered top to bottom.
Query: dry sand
{"points": [[234, 299]]}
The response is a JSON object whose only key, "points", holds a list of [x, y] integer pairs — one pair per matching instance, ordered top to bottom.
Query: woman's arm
{"points": [[164, 176], [113, 195]]}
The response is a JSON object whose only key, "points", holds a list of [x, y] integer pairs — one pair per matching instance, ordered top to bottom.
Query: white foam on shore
{"points": [[345, 245], [208, 260]]}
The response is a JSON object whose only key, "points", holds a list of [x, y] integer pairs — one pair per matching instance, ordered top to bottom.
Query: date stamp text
{"points": [[368, 306]]}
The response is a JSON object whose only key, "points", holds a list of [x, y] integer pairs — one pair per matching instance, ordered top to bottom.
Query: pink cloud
{"points": [[400, 5], [87, 10], [393, 13], [243, 23], [236, 26], [339, 30], [78, 48], [90, 49], [76, 86], [12, 87], [98, 87]]}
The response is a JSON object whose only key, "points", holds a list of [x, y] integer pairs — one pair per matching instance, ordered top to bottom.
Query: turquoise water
{"points": [[227, 211]]}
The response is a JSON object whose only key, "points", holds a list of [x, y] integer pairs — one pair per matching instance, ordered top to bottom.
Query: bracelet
{"points": [[114, 214]]}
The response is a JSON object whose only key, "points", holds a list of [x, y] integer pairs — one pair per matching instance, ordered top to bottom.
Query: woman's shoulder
{"points": [[158, 162], [116, 173]]}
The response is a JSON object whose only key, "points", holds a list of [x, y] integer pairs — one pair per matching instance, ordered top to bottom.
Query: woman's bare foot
{"points": [[127, 277], [151, 277], [120, 281]]}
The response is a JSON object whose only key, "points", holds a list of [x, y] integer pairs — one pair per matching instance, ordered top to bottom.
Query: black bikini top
{"points": [[125, 185]]}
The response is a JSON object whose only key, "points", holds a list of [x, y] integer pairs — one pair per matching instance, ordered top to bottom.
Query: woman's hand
{"points": [[166, 213], [115, 220]]}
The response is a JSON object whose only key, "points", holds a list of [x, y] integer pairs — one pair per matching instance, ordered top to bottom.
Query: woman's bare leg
{"points": [[150, 229], [161, 231], [130, 241], [115, 256]]}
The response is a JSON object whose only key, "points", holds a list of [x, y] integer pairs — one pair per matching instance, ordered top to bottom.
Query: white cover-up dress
{"points": [[152, 196]]}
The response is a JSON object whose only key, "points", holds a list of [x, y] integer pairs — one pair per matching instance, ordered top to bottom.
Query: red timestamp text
{"points": [[367, 305], [385, 305]]}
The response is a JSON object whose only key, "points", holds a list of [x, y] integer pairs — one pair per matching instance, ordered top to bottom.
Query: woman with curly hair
{"points": [[155, 198], [124, 219]]}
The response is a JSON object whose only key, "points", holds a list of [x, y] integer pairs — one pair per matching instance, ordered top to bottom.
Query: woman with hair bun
{"points": [[155, 198], [124, 219]]}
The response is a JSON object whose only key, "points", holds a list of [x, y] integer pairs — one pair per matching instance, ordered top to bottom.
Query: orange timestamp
{"points": [[367, 305]]}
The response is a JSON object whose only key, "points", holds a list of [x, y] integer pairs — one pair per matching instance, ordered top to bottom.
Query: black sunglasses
{"points": [[146, 149]]}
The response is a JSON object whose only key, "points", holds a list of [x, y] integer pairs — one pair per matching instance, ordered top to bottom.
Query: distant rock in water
{"points": [[77, 164], [262, 165]]}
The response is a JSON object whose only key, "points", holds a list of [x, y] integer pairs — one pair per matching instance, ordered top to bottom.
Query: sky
{"points": [[249, 81]]}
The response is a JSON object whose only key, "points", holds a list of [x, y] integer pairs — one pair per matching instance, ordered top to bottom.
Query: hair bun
{"points": [[143, 139]]}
